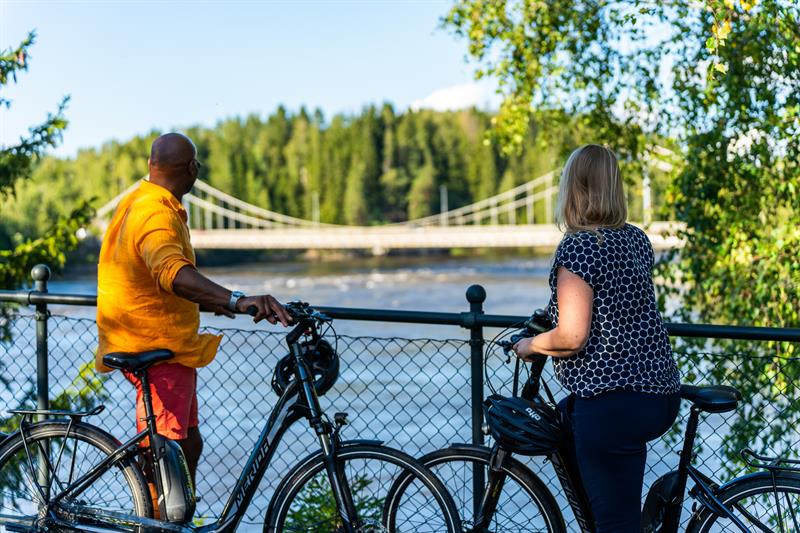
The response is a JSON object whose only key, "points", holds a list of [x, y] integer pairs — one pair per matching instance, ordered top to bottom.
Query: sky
{"points": [[130, 67]]}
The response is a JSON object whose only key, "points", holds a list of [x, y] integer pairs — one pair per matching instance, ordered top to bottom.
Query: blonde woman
{"points": [[609, 346]]}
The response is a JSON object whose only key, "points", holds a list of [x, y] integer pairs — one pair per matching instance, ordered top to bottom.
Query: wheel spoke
{"points": [[371, 472], [121, 488], [760, 504], [516, 510], [794, 515]]}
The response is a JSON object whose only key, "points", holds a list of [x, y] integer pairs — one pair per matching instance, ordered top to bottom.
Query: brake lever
{"points": [[322, 317]]}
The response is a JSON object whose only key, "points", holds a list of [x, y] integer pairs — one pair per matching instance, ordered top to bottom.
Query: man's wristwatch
{"points": [[235, 297]]}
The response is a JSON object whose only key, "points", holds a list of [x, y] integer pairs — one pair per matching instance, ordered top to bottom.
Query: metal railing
{"points": [[417, 394]]}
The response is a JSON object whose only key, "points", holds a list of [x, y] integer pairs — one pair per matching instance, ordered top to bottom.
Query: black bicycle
{"points": [[66, 474], [514, 498]]}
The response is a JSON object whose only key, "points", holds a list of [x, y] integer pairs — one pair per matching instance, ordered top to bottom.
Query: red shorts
{"points": [[174, 390]]}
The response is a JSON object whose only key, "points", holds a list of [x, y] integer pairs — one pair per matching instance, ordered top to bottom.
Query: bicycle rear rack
{"points": [[73, 415], [769, 463]]}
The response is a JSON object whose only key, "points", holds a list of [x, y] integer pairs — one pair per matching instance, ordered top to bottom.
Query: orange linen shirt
{"points": [[145, 246]]}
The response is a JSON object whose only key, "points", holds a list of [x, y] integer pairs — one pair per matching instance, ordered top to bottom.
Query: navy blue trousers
{"points": [[611, 431]]}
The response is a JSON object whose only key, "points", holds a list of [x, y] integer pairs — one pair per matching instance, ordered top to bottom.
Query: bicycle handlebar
{"points": [[298, 311], [538, 323]]}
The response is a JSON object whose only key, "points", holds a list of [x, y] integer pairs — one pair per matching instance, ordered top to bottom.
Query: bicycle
{"points": [[68, 474], [514, 498]]}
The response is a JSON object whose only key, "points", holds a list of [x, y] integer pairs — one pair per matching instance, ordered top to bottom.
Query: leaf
{"points": [[721, 31], [721, 67]]}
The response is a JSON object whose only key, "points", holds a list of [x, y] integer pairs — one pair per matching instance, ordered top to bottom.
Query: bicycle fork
{"points": [[329, 442], [339, 484], [494, 486]]}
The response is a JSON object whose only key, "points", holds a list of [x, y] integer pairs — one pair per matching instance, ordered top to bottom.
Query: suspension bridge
{"points": [[517, 218]]}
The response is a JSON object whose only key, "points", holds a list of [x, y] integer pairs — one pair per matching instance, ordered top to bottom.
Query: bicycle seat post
{"points": [[147, 398]]}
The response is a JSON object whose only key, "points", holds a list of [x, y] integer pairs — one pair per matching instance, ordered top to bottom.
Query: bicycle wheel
{"points": [[47, 461], [304, 501], [525, 503], [759, 505]]}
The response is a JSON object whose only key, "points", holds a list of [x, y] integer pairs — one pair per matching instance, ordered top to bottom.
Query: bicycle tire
{"points": [[122, 488], [750, 498], [304, 500], [525, 503]]}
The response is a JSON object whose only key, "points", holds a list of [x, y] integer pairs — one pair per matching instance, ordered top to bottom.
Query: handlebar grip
{"points": [[517, 337]]}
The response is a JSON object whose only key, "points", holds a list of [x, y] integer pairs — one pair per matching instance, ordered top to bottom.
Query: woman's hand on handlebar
{"points": [[267, 307], [524, 348]]}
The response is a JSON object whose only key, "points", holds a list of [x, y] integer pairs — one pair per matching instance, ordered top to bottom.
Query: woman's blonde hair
{"points": [[590, 195]]}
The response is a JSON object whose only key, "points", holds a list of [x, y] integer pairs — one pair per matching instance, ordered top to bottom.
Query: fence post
{"points": [[40, 275], [476, 295]]}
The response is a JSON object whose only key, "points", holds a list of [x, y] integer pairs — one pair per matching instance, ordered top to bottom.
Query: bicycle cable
{"points": [[492, 344]]}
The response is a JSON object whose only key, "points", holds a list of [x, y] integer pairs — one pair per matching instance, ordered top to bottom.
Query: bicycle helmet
{"points": [[323, 361], [522, 426]]}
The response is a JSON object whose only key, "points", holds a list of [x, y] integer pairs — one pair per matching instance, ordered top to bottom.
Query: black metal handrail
{"points": [[465, 320], [475, 320]]}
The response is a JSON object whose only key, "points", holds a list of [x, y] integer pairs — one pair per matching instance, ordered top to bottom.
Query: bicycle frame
{"points": [[283, 416], [563, 462]]}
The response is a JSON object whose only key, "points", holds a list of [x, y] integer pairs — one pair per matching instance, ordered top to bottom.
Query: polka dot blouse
{"points": [[628, 347]]}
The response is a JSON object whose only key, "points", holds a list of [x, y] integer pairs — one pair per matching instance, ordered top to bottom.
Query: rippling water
{"points": [[514, 286]]}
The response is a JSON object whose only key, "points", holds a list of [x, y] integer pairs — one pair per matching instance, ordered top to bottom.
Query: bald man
{"points": [[150, 294]]}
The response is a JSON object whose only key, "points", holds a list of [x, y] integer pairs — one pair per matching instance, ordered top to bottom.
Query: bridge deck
{"points": [[382, 238]]}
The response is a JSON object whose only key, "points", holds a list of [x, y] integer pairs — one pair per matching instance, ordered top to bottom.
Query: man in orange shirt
{"points": [[149, 293]]}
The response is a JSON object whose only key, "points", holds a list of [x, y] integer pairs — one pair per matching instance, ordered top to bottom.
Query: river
{"points": [[514, 286]]}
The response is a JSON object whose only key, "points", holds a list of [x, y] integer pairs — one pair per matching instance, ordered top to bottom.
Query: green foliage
{"points": [[551, 55], [13, 60], [732, 102], [16, 162], [16, 165], [374, 167], [738, 196], [47, 242], [50, 248], [315, 507]]}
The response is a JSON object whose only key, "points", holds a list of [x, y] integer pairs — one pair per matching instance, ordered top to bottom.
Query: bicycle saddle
{"points": [[136, 361], [712, 398]]}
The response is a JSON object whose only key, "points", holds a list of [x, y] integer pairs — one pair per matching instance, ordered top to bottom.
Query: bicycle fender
{"points": [[7, 437], [374, 442], [465, 446], [755, 475], [720, 491]]}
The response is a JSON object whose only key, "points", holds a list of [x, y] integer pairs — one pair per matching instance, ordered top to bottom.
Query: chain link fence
{"points": [[413, 394]]}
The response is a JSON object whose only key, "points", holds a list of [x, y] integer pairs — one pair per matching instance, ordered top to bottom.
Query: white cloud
{"points": [[461, 96]]}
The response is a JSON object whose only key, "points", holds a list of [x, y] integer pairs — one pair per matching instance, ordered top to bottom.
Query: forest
{"points": [[378, 166]]}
